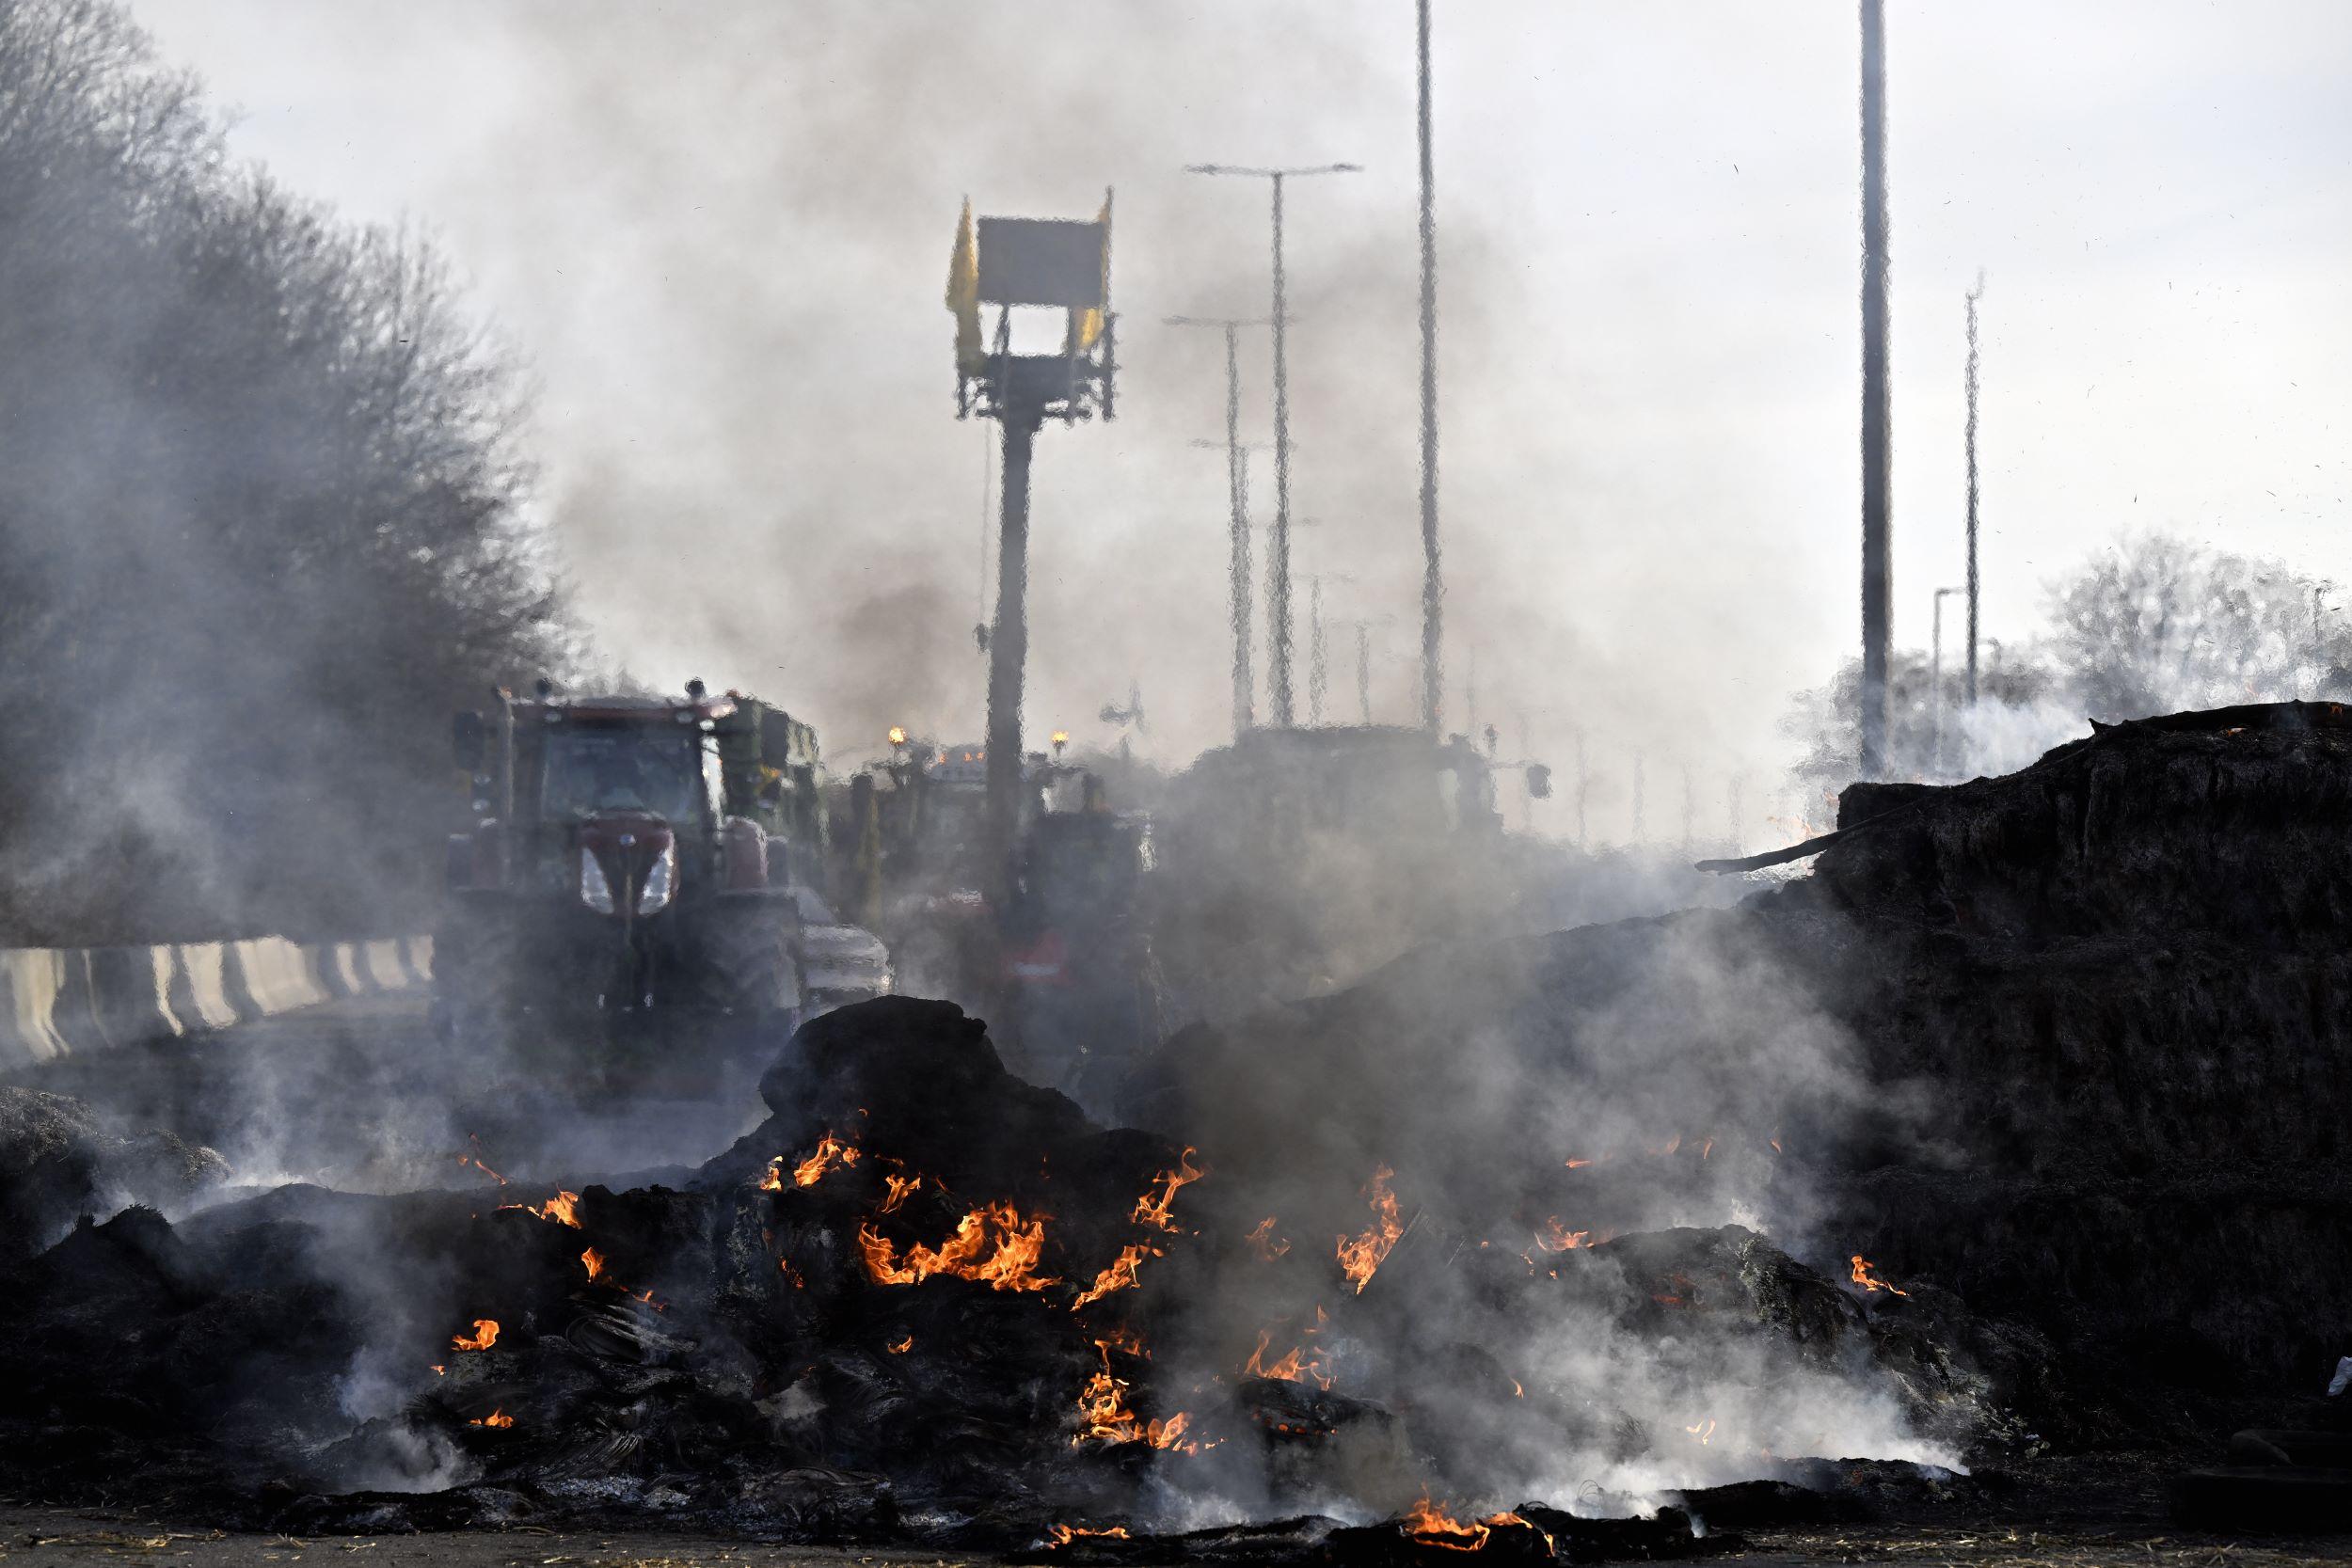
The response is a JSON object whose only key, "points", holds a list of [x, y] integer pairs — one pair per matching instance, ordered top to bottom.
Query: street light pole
{"points": [[1237, 498], [1278, 567], [1433, 585]]}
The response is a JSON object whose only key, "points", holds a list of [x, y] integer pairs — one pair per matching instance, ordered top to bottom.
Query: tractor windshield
{"points": [[592, 770]]}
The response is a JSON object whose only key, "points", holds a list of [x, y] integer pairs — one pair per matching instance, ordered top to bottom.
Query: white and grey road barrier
{"points": [[69, 1001]]}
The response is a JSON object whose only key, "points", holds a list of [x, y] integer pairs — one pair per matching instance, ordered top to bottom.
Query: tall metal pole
{"points": [[1974, 294], [1878, 440], [1237, 501], [1278, 564], [1431, 584], [1009, 648], [1317, 668], [1363, 673], [1935, 686], [1245, 697], [1637, 798]]}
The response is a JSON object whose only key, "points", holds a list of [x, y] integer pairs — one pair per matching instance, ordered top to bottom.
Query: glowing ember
{"points": [[830, 1153], [1580, 1164], [900, 1189], [1153, 1211], [1556, 1237], [1266, 1243], [992, 1244], [1361, 1257], [592, 1262], [792, 1274], [1866, 1275], [1121, 1276], [484, 1335], [901, 1346], [440, 1371], [1103, 1415], [495, 1419], [1062, 1535]]}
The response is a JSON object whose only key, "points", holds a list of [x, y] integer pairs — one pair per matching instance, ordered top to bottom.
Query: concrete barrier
{"points": [[62, 1001]]}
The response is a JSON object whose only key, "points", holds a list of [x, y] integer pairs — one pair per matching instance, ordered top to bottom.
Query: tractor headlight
{"points": [[661, 881], [595, 890]]}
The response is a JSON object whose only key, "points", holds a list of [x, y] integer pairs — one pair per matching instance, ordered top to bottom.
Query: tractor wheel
{"points": [[747, 967]]}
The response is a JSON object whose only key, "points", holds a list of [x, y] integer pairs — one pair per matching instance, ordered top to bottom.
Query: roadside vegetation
{"points": [[263, 521]]}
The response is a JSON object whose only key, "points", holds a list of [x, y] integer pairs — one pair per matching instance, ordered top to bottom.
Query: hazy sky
{"points": [[718, 231]]}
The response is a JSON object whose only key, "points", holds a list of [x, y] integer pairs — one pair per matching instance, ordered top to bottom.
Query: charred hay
{"points": [[922, 1302]]}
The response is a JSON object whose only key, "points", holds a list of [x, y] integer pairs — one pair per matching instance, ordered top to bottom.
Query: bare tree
{"points": [[261, 519]]}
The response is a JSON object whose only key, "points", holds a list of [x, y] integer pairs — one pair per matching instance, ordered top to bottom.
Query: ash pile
{"points": [[927, 1301]]}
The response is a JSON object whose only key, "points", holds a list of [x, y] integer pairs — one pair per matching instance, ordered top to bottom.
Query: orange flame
{"points": [[831, 1152], [469, 1160], [1580, 1164], [773, 1180], [900, 1187], [562, 1209], [1153, 1211], [1557, 1237], [1266, 1243], [992, 1244], [1361, 1257], [592, 1262], [792, 1274], [1866, 1275], [1121, 1276], [484, 1335], [1125, 1338], [903, 1345], [1293, 1368], [440, 1371], [1102, 1413], [495, 1419], [1704, 1431], [1433, 1527], [1062, 1535]]}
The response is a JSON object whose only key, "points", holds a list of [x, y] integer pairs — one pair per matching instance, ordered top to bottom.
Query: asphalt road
{"points": [[62, 1538]]}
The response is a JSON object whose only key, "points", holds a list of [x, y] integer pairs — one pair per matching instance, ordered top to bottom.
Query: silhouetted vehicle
{"points": [[633, 857], [1298, 859]]}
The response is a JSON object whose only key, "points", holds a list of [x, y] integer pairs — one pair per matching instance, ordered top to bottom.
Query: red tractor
{"points": [[636, 856]]}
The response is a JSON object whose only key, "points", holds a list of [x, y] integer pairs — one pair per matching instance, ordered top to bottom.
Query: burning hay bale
{"points": [[926, 1301]]}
